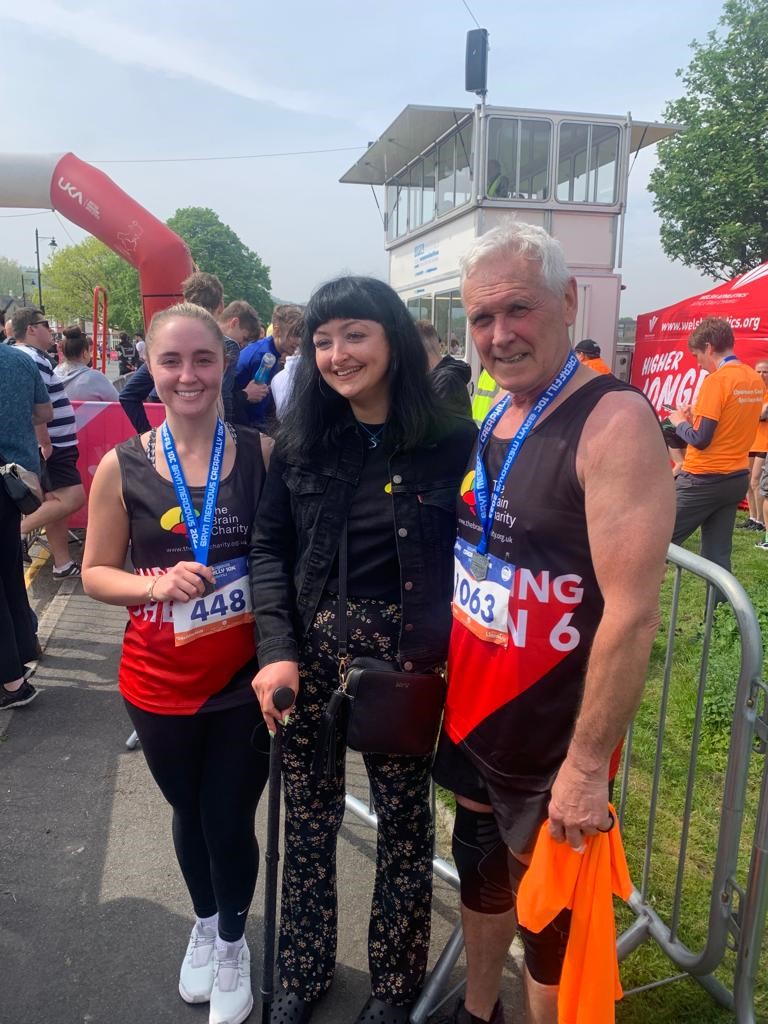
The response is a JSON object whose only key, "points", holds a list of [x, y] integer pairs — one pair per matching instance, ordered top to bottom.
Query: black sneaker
{"points": [[72, 570], [25, 694], [461, 1015]]}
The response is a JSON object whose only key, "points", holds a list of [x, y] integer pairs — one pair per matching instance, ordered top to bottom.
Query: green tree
{"points": [[711, 183], [217, 249], [71, 274], [10, 277]]}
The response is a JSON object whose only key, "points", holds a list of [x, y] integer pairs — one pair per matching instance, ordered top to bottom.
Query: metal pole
{"points": [[39, 278], [23, 293], [283, 699]]}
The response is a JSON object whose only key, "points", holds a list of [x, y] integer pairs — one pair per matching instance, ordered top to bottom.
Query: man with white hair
{"points": [[559, 562]]}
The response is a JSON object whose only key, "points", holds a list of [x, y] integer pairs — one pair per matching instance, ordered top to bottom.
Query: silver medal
{"points": [[479, 565]]}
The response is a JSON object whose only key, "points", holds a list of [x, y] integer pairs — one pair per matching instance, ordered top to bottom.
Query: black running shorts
{"points": [[60, 470]]}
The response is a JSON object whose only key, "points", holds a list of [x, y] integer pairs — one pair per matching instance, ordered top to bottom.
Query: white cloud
{"points": [[175, 56]]}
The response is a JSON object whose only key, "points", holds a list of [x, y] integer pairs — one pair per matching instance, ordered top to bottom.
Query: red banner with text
{"points": [[662, 366]]}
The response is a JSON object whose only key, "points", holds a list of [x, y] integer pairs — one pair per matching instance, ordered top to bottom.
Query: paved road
{"points": [[94, 917]]}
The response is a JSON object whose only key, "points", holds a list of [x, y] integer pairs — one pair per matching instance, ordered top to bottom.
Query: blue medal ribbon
{"points": [[486, 511], [199, 530]]}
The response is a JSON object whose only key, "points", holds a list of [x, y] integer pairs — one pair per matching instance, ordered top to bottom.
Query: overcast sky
{"points": [[115, 82]]}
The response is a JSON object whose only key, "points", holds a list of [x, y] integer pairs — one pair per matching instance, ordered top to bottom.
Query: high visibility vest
{"points": [[483, 401]]}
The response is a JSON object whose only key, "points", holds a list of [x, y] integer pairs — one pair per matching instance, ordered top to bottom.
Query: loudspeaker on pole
{"points": [[476, 64]]}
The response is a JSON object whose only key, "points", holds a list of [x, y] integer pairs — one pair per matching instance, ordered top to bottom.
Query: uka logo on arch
{"points": [[71, 190]]}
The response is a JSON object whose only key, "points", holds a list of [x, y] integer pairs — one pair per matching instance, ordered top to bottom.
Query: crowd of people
{"points": [[319, 493]]}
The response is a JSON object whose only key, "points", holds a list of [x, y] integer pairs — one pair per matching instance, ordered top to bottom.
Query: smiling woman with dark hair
{"points": [[411, 411], [367, 458]]}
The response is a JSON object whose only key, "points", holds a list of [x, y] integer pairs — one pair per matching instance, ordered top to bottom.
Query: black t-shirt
{"points": [[373, 568]]}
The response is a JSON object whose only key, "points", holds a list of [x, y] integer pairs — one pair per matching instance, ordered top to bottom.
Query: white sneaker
{"points": [[196, 976], [231, 997]]}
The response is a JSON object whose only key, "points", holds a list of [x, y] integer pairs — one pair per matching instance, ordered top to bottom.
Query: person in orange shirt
{"points": [[588, 353], [719, 430], [755, 520]]}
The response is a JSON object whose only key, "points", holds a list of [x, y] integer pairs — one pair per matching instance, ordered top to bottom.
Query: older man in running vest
{"points": [[551, 640]]}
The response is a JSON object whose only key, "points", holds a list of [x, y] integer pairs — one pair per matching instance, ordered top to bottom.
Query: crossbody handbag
{"points": [[22, 487], [384, 710]]}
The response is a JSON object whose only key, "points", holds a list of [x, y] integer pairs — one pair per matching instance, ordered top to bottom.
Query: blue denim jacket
{"points": [[296, 537]]}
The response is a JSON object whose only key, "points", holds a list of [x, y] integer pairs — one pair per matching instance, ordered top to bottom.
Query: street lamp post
{"points": [[52, 245], [27, 279]]}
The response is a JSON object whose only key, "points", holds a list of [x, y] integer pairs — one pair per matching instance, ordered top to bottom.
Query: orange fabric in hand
{"points": [[559, 877]]}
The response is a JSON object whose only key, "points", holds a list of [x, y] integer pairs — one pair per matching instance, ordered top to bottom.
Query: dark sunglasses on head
{"points": [[41, 323]]}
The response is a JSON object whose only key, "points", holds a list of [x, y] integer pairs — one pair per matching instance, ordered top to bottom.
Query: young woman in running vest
{"points": [[363, 443], [182, 501]]}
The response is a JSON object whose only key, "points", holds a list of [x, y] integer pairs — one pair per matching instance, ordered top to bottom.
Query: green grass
{"points": [[685, 1002]]}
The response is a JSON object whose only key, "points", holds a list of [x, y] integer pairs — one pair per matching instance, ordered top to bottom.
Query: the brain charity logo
{"points": [[467, 491], [173, 520]]}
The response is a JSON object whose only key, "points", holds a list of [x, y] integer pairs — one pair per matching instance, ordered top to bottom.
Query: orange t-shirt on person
{"points": [[598, 365], [732, 395], [760, 444], [559, 877]]}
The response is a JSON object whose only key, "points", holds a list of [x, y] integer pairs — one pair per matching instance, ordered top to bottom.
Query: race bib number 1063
{"points": [[482, 605]]}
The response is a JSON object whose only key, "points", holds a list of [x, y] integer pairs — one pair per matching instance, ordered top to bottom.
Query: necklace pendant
{"points": [[373, 442]]}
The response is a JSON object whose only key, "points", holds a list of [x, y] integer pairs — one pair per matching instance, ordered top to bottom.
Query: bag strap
{"points": [[342, 623], [324, 762]]}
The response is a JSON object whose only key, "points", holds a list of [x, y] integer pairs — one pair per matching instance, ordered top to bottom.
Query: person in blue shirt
{"points": [[240, 324], [281, 343], [24, 403]]}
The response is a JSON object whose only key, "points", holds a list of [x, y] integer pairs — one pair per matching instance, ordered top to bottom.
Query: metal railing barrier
{"points": [[736, 913]]}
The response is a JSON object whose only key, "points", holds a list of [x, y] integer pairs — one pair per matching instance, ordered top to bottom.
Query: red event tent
{"points": [[663, 367]]}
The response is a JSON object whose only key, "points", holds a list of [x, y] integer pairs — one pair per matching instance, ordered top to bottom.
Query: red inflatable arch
{"points": [[93, 201]]}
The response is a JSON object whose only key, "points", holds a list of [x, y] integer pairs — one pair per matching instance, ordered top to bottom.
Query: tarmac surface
{"points": [[94, 916]]}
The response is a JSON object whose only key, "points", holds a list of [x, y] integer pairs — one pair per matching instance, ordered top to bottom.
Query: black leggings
{"points": [[17, 634], [211, 768]]}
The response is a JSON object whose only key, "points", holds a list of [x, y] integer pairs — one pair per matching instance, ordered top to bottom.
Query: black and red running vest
{"points": [[214, 671], [512, 710]]}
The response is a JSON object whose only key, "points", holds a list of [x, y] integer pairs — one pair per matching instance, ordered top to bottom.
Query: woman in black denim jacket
{"points": [[364, 443]]}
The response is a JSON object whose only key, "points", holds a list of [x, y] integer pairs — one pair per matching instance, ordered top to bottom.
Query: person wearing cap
{"points": [[588, 353]]}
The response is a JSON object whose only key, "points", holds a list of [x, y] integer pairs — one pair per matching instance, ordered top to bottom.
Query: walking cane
{"points": [[282, 698]]}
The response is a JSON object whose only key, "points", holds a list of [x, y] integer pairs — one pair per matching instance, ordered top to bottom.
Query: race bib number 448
{"points": [[482, 605], [227, 606]]}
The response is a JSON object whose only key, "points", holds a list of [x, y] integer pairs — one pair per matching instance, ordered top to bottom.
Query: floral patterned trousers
{"points": [[399, 930]]}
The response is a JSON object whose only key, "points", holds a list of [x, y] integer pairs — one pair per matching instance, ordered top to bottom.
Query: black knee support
{"points": [[480, 855], [489, 877], [545, 950]]}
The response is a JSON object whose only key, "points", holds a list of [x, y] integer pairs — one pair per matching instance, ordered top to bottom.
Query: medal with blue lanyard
{"points": [[486, 508], [199, 530]]}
